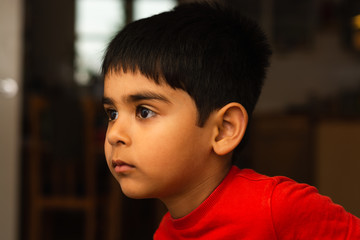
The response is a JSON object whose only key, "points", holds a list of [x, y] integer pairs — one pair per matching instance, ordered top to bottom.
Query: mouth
{"points": [[121, 167]]}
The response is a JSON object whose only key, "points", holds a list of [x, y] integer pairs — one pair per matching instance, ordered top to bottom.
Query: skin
{"points": [[154, 147]]}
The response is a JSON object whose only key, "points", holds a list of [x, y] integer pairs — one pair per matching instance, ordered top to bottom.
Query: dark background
{"points": [[310, 102]]}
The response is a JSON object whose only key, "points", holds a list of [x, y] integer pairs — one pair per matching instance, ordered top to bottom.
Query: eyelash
{"points": [[138, 113]]}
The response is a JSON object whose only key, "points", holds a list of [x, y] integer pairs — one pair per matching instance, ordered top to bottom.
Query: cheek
{"points": [[170, 138], [166, 148], [107, 149]]}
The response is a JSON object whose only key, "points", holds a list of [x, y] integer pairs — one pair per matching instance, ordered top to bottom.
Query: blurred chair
{"points": [[55, 184]]}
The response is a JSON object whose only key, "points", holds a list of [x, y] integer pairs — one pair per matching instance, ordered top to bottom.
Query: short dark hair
{"points": [[205, 49]]}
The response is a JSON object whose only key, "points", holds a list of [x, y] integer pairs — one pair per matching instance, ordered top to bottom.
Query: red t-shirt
{"points": [[247, 205]]}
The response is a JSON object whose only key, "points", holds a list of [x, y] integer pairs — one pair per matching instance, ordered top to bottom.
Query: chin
{"points": [[132, 193]]}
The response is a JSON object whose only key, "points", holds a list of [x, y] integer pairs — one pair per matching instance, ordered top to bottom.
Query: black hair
{"points": [[207, 50]]}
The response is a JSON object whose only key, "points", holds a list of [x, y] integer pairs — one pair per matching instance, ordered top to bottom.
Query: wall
{"points": [[10, 67], [322, 70]]}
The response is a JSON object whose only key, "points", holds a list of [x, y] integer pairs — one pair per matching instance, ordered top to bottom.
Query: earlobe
{"points": [[231, 122]]}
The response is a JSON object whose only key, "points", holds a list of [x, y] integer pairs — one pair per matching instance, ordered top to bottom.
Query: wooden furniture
{"points": [[338, 161], [61, 176]]}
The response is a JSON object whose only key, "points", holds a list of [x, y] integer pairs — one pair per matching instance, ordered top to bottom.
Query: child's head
{"points": [[214, 55], [176, 88]]}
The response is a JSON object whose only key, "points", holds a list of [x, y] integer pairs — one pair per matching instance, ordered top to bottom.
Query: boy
{"points": [[179, 88]]}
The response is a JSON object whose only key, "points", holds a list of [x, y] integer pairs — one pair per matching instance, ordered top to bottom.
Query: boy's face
{"points": [[153, 145]]}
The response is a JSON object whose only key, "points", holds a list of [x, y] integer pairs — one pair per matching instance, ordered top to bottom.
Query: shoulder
{"points": [[249, 181], [247, 187], [296, 210], [300, 212]]}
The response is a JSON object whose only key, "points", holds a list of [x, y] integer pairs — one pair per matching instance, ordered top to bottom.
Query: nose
{"points": [[118, 132]]}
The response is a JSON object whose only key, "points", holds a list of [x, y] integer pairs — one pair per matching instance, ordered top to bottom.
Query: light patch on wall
{"points": [[147, 8], [96, 22], [356, 34]]}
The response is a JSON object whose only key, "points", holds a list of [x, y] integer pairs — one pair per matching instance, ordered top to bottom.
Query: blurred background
{"points": [[54, 182]]}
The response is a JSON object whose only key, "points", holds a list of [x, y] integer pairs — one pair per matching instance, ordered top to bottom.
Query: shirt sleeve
{"points": [[300, 212]]}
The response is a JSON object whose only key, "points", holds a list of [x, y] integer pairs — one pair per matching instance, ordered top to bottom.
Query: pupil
{"points": [[144, 113], [113, 115]]}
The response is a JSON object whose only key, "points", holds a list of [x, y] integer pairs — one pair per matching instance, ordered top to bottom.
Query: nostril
{"points": [[117, 140]]}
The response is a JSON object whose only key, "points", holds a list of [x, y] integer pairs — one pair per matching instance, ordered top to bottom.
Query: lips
{"points": [[121, 167]]}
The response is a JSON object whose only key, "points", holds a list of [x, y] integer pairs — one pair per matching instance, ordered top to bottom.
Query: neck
{"points": [[182, 205]]}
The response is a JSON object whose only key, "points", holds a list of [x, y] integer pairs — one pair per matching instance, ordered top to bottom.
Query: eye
{"points": [[143, 112], [112, 114]]}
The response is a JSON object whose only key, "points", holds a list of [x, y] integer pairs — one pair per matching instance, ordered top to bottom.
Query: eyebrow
{"points": [[146, 96], [136, 97], [107, 101]]}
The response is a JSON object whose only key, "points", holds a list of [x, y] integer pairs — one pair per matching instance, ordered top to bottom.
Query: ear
{"points": [[231, 122]]}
